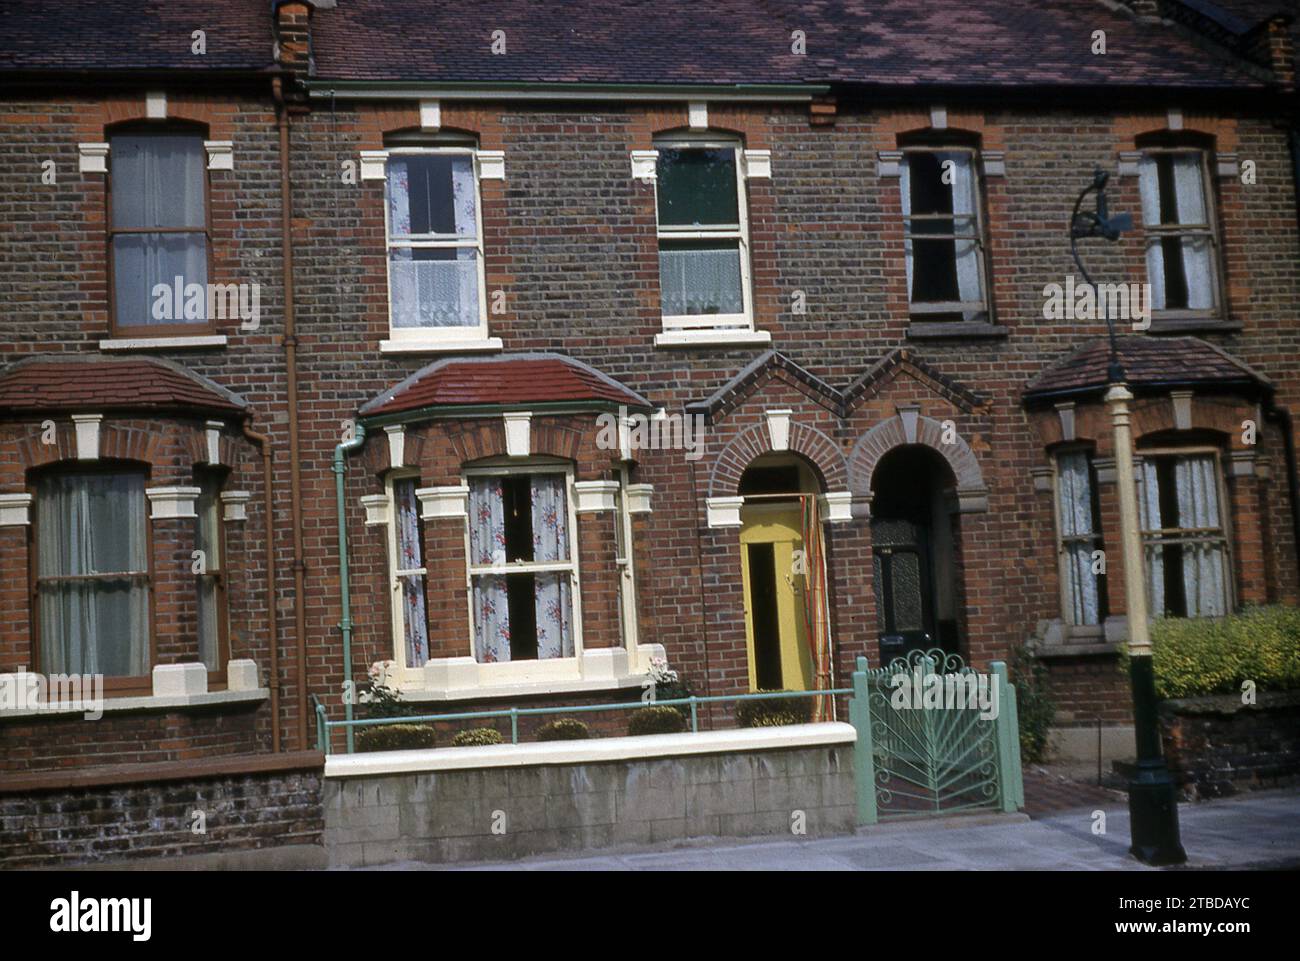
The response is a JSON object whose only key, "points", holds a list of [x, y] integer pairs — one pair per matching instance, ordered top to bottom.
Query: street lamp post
{"points": [[1152, 804]]}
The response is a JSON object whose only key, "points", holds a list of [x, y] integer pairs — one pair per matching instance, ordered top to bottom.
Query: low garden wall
{"points": [[1216, 746], [508, 801]]}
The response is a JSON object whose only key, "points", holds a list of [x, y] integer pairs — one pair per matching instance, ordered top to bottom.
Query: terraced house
{"points": [[514, 346]]}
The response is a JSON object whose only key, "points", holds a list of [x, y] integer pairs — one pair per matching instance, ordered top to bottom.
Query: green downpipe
{"points": [[345, 625]]}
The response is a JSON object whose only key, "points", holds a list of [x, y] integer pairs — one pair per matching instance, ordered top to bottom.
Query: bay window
{"points": [[158, 230], [942, 233], [703, 236], [1180, 243], [435, 245], [1183, 534], [406, 562], [522, 568], [92, 573], [1083, 592]]}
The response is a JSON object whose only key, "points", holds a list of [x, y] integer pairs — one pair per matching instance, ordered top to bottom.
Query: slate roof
{"points": [[123, 35], [909, 43], [1148, 362], [505, 380], [92, 383]]}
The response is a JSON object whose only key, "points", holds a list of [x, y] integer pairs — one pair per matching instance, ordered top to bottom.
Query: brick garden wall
{"points": [[1217, 746]]}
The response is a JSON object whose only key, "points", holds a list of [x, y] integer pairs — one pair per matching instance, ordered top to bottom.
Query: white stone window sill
{"points": [[713, 338], [162, 343], [440, 346], [418, 693], [117, 705], [593, 750]]}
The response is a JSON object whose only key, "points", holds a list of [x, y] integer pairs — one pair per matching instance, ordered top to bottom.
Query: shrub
{"points": [[1193, 656], [668, 686], [1035, 706], [774, 711], [655, 720], [563, 729], [395, 737], [476, 737]]}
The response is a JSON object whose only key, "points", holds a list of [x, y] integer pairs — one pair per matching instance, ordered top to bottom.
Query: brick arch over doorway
{"points": [[910, 427], [805, 440]]}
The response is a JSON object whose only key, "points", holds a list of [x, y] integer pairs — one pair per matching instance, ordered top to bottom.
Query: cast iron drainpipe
{"points": [[291, 390], [264, 445], [345, 624]]}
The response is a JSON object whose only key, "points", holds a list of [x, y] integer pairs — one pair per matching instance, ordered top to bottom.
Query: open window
{"points": [[943, 232], [158, 233], [1180, 235], [704, 272], [436, 283], [1183, 533], [522, 568], [92, 574]]}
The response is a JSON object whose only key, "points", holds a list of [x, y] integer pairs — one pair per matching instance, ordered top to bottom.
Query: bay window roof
{"points": [[90, 383]]}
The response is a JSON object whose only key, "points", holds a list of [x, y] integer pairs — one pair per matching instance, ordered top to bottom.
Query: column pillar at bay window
{"points": [[1248, 499], [598, 568], [445, 590], [175, 603], [15, 626]]}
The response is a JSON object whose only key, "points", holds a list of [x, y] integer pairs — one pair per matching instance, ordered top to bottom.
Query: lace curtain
{"points": [[1189, 203], [965, 250], [695, 281], [1074, 490], [93, 524], [1202, 554], [410, 562]]}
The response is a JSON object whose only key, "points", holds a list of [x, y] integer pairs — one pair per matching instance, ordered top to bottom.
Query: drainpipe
{"points": [[291, 371], [268, 501], [345, 625]]}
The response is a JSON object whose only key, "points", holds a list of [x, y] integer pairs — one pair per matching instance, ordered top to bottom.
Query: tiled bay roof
{"points": [[1148, 362], [507, 380], [91, 383]]}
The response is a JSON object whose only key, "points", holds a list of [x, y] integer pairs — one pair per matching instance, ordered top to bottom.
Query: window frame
{"points": [[1154, 233], [981, 310], [743, 321], [116, 327], [412, 336], [1225, 522], [1097, 539], [625, 565], [531, 668], [406, 674], [217, 675], [119, 686]]}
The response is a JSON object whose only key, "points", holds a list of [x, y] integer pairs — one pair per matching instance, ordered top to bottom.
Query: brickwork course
{"points": [[569, 244]]}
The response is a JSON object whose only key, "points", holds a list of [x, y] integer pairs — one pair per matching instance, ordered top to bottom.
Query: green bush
{"points": [[1192, 656], [1035, 706], [774, 711], [655, 720], [563, 729], [395, 737], [476, 737]]}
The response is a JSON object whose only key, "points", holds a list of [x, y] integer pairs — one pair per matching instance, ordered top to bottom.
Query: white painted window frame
{"points": [[744, 321], [433, 337], [1096, 538], [626, 568], [551, 668], [406, 675]]}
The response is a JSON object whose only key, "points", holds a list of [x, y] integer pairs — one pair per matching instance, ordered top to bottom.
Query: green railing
{"points": [[324, 725]]}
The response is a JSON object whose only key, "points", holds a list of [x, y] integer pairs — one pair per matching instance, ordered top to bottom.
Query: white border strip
{"points": [[589, 751]]}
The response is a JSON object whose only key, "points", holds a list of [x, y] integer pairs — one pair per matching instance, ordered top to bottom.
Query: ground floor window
{"points": [[1183, 534], [406, 561], [521, 565], [92, 573], [209, 582], [1083, 585]]}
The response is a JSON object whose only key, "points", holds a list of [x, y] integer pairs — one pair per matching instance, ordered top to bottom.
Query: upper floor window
{"points": [[158, 230], [942, 233], [703, 235], [1180, 242], [435, 245], [1183, 533], [521, 565], [92, 573], [1083, 585]]}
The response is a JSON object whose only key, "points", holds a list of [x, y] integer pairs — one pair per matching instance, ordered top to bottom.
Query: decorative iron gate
{"points": [[926, 743]]}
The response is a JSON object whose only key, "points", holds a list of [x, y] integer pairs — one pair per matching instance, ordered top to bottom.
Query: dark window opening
{"points": [[516, 493], [762, 606]]}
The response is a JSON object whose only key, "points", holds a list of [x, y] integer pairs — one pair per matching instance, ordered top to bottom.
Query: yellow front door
{"points": [[773, 570]]}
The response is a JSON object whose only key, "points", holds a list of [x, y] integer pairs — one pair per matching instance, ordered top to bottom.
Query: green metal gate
{"points": [[915, 760]]}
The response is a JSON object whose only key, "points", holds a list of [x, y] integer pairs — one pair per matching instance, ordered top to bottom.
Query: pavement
{"points": [[1249, 832]]}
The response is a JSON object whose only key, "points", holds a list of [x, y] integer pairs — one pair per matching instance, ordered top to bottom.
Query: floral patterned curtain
{"points": [[409, 573], [551, 591]]}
